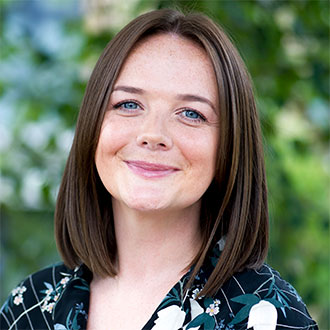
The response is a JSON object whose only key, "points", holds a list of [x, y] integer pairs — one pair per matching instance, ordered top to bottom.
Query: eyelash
{"points": [[120, 104], [200, 118]]}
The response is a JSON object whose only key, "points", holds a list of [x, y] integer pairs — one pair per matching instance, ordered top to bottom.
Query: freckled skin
{"points": [[164, 66], [169, 118]]}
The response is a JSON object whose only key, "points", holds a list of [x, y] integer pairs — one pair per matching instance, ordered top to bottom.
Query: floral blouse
{"points": [[58, 298]]}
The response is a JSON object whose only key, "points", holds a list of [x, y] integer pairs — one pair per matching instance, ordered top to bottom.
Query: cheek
{"points": [[114, 135], [200, 149]]}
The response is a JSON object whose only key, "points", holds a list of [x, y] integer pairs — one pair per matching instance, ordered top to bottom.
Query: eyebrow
{"points": [[129, 89], [182, 97], [195, 98]]}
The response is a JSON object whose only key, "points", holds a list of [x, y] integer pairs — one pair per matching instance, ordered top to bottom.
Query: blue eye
{"points": [[127, 105], [193, 115]]}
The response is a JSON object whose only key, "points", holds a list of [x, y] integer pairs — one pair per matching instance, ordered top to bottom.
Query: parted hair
{"points": [[235, 204]]}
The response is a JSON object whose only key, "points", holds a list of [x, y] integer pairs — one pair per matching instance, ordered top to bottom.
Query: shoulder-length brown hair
{"points": [[235, 204]]}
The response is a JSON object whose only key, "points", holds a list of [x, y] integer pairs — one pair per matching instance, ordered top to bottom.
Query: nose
{"points": [[153, 133]]}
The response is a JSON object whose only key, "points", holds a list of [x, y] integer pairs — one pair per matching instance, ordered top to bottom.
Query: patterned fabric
{"points": [[58, 298]]}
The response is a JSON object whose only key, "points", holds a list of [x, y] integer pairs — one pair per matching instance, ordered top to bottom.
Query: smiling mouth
{"points": [[150, 170]]}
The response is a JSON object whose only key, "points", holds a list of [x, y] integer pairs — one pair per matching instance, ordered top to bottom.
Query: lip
{"points": [[150, 170]]}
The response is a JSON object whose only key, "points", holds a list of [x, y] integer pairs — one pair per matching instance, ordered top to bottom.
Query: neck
{"points": [[155, 243]]}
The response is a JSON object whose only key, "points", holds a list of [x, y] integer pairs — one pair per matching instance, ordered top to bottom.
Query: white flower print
{"points": [[65, 280], [21, 289], [18, 290], [14, 292], [49, 292], [17, 293], [195, 293], [52, 294], [18, 299], [216, 302], [44, 306], [47, 307], [50, 307], [212, 310], [263, 316], [171, 317]]}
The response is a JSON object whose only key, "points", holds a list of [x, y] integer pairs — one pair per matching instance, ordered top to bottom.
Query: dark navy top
{"points": [[58, 298]]}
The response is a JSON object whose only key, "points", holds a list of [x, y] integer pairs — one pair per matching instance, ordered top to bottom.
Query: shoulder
{"points": [[263, 296], [251, 299], [31, 303]]}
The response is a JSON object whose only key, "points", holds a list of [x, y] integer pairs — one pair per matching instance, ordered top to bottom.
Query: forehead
{"points": [[168, 41], [169, 60]]}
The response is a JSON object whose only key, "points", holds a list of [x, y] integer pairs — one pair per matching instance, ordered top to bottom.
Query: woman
{"points": [[161, 218]]}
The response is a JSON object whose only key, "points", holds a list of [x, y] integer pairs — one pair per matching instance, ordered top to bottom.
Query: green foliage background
{"points": [[48, 49]]}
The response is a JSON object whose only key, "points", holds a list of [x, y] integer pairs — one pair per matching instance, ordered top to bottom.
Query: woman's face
{"points": [[158, 142]]}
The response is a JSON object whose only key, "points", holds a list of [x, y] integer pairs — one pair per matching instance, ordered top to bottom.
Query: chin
{"points": [[147, 205]]}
